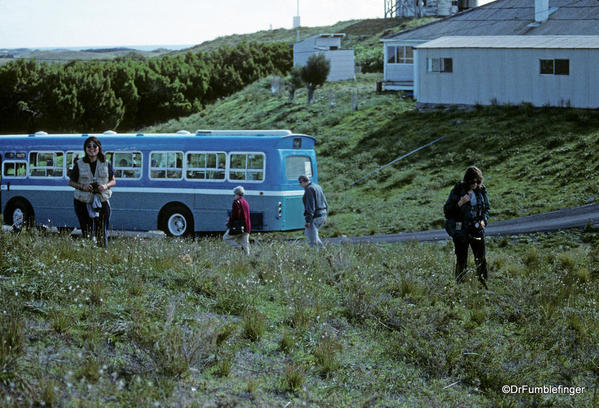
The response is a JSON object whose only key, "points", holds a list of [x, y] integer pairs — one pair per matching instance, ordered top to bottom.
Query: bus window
{"points": [[72, 157], [46, 164], [126, 165], [166, 165], [205, 165], [247, 166], [296, 166], [16, 169]]}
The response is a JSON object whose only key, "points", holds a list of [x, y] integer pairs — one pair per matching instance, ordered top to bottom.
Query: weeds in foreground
{"points": [[360, 323], [254, 325], [287, 341], [326, 355], [223, 366], [293, 378]]}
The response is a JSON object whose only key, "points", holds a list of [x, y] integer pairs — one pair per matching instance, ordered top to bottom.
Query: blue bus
{"points": [[177, 182]]}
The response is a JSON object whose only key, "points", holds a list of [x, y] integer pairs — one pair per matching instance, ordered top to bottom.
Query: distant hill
{"points": [[363, 32], [360, 33], [65, 55]]}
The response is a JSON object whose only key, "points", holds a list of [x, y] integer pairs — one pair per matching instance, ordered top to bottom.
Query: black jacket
{"points": [[315, 202], [467, 214]]}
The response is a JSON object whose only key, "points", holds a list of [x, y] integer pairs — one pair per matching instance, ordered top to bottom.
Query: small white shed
{"points": [[342, 61], [542, 70]]}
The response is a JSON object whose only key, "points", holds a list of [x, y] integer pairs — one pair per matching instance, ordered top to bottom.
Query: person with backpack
{"points": [[467, 212], [238, 224]]}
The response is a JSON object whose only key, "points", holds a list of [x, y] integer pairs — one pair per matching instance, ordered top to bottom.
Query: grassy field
{"points": [[533, 159], [182, 323]]}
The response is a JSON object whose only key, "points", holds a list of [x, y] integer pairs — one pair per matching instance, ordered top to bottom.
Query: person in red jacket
{"points": [[238, 224]]}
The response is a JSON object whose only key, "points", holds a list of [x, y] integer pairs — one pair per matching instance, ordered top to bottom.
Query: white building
{"points": [[501, 17], [342, 61], [485, 70]]}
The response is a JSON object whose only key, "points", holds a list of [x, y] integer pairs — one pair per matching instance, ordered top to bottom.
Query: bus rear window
{"points": [[296, 166]]}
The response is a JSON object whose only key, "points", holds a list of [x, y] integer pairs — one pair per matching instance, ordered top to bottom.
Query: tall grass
{"points": [[350, 325]]}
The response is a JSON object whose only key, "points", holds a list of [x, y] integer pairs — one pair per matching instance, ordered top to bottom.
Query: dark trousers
{"points": [[97, 226], [478, 249]]}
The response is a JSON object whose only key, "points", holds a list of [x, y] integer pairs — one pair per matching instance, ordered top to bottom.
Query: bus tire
{"points": [[19, 214], [177, 221]]}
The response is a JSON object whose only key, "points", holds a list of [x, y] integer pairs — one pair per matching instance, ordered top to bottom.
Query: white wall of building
{"points": [[342, 61], [508, 76]]}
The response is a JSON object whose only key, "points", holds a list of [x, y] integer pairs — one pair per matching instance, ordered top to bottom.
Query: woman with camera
{"points": [[92, 177], [467, 212]]}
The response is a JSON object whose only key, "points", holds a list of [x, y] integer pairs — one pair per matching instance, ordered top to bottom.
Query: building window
{"points": [[403, 54], [439, 64], [554, 67], [166, 165], [205, 166]]}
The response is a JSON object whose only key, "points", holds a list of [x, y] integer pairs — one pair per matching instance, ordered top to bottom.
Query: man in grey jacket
{"points": [[315, 210]]}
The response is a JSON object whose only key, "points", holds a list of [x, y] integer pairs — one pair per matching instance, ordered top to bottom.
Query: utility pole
{"points": [[296, 23]]}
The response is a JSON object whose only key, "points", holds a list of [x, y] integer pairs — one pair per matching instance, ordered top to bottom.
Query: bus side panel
{"points": [[52, 210], [138, 211], [210, 211], [55, 212], [293, 213]]}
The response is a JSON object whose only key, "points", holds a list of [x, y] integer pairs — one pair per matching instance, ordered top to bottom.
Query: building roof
{"points": [[511, 17], [323, 35], [516, 41]]}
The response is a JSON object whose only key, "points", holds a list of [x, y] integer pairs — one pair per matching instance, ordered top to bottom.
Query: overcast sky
{"points": [[74, 23]]}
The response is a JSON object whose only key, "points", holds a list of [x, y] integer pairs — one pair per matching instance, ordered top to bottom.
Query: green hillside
{"points": [[362, 32], [533, 159]]}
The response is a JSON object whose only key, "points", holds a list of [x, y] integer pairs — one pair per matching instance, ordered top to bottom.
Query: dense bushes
{"points": [[129, 92]]}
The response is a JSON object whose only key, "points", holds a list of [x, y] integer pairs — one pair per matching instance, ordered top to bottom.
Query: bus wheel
{"points": [[19, 215], [177, 221]]}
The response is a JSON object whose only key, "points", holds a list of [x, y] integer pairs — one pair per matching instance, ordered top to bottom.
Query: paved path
{"points": [[574, 217]]}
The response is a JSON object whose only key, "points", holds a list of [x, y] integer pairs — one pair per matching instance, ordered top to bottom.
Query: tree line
{"points": [[129, 92]]}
